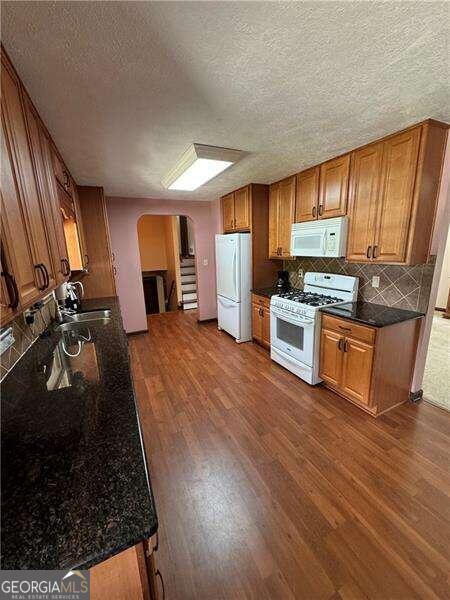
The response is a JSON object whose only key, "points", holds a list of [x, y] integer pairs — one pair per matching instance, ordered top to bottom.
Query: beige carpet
{"points": [[436, 380]]}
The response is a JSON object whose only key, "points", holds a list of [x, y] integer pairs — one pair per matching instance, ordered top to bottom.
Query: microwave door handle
{"points": [[324, 242]]}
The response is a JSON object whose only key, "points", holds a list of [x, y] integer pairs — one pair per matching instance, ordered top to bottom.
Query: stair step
{"points": [[187, 262], [187, 270], [187, 279], [189, 287], [190, 296], [190, 305]]}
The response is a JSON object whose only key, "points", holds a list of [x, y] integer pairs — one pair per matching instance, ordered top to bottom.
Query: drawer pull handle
{"points": [[369, 248], [344, 328], [340, 343], [346, 346]]}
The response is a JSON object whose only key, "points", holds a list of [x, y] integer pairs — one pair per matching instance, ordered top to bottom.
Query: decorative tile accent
{"points": [[403, 287], [25, 335]]}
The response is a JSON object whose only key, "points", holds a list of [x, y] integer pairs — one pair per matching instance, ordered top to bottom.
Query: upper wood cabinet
{"points": [[400, 155], [61, 173], [333, 188], [364, 193], [393, 194], [21, 195], [307, 195], [242, 208], [236, 210], [228, 212], [281, 217], [101, 282], [9, 293]]}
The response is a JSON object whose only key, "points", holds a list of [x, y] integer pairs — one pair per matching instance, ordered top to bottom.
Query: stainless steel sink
{"points": [[90, 315], [79, 326]]}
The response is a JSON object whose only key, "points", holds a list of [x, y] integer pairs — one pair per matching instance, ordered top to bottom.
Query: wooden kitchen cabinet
{"points": [[41, 153], [398, 172], [333, 189], [364, 192], [393, 193], [307, 195], [24, 204], [242, 209], [236, 210], [247, 210], [228, 213], [281, 217], [100, 281], [9, 293], [261, 320], [372, 367]]}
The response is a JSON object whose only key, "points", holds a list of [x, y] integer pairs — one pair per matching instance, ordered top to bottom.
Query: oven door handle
{"points": [[293, 320]]}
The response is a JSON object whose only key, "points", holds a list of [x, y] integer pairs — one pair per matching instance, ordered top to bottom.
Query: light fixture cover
{"points": [[198, 165]]}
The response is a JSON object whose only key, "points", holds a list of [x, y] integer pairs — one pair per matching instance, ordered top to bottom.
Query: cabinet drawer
{"points": [[261, 300], [348, 328]]}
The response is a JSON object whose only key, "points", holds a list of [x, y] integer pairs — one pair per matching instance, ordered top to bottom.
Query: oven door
{"points": [[293, 335]]}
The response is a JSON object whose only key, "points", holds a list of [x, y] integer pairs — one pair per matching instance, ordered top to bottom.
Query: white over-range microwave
{"points": [[325, 237]]}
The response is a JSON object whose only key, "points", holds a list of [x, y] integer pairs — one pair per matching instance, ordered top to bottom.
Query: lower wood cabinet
{"points": [[261, 320], [371, 367]]}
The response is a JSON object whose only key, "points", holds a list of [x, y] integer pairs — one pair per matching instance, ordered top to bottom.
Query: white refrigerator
{"points": [[233, 271]]}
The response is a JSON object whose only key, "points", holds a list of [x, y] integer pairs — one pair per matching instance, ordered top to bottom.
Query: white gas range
{"points": [[295, 321]]}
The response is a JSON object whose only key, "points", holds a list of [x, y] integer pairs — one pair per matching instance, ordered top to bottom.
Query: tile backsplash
{"points": [[400, 286], [25, 335]]}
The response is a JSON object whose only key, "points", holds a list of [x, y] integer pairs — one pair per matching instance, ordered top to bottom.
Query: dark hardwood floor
{"points": [[268, 488]]}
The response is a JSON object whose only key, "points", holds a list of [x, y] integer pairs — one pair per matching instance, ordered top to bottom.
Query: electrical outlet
{"points": [[205, 262], [375, 281]]}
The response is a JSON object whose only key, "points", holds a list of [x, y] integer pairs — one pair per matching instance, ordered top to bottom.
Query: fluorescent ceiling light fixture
{"points": [[198, 165]]}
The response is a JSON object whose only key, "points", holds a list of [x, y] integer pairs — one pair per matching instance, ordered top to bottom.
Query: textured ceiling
{"points": [[125, 87]]}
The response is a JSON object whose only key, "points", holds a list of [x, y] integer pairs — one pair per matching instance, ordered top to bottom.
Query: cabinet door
{"points": [[400, 155], [61, 173], [365, 177], [44, 185], [334, 187], [27, 194], [274, 194], [307, 195], [242, 208], [54, 212], [228, 212], [286, 214], [80, 228], [15, 232], [9, 293], [256, 322], [265, 327], [330, 366], [357, 370]]}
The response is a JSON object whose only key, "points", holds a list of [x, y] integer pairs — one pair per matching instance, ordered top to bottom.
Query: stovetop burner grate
{"points": [[310, 298]]}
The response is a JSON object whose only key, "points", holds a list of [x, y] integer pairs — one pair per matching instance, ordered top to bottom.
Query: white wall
{"points": [[444, 281]]}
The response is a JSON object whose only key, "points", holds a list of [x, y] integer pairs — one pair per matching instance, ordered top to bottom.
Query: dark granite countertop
{"points": [[267, 292], [376, 315], [75, 486]]}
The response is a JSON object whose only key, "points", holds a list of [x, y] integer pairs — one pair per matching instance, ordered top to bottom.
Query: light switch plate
{"points": [[375, 281]]}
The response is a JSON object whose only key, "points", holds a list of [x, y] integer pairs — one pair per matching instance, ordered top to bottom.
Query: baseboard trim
{"points": [[137, 332], [416, 396]]}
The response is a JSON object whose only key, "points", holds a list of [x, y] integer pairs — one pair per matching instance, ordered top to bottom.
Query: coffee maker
{"points": [[283, 284]]}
